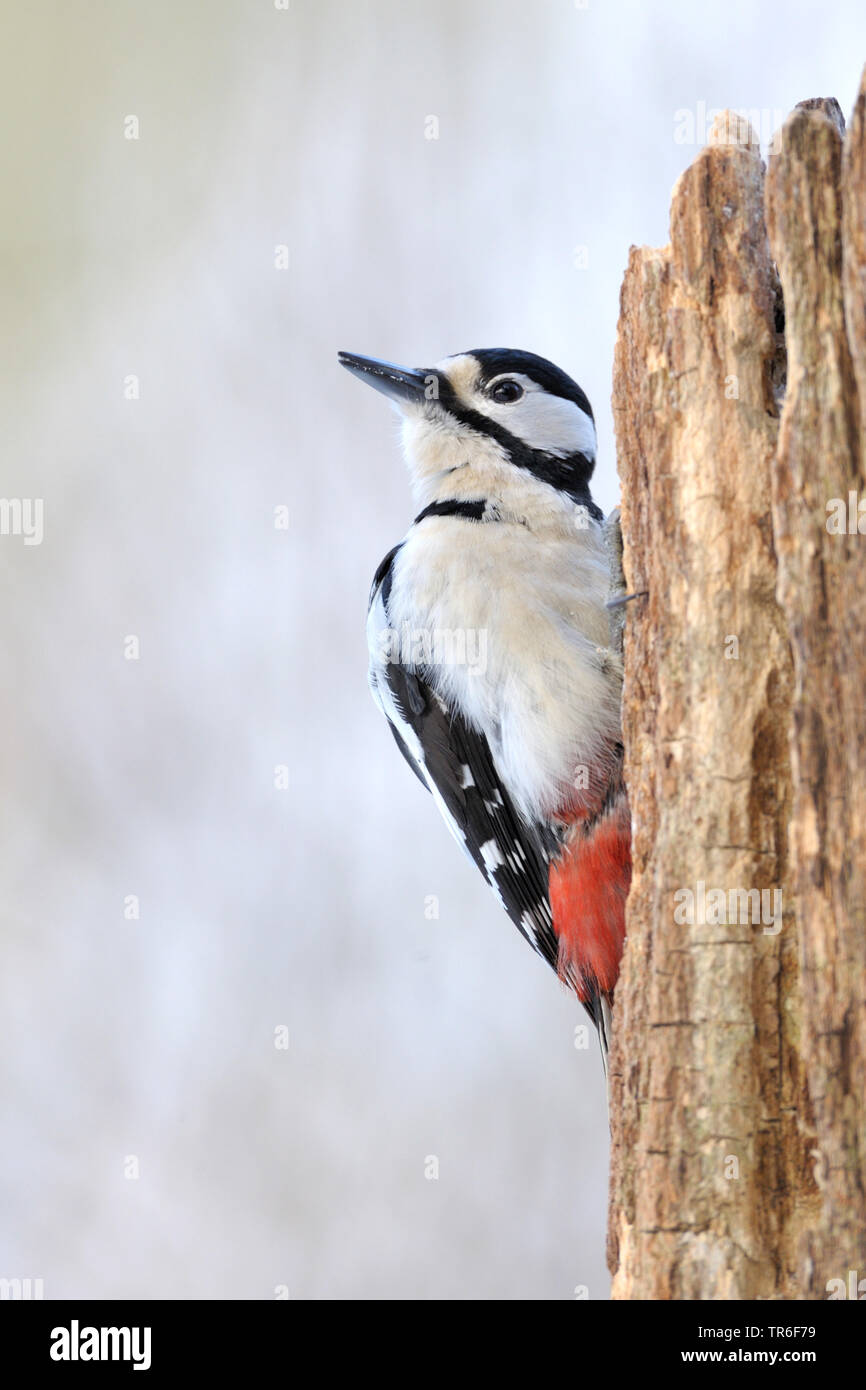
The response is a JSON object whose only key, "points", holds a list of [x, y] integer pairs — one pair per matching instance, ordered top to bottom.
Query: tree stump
{"points": [[737, 1071]]}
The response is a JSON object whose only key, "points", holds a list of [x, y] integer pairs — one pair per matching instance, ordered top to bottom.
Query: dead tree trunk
{"points": [[739, 1058]]}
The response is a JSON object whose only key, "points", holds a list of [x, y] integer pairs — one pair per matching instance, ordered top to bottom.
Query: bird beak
{"points": [[399, 384]]}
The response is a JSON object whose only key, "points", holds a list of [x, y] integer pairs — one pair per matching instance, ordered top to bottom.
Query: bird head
{"points": [[490, 422]]}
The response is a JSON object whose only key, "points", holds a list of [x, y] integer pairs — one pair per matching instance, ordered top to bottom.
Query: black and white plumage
{"points": [[490, 647], [453, 761]]}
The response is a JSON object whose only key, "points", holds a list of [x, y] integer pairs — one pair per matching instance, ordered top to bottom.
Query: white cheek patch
{"points": [[544, 422], [437, 443]]}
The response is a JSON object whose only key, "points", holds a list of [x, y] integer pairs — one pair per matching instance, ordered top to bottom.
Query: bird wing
{"points": [[453, 760]]}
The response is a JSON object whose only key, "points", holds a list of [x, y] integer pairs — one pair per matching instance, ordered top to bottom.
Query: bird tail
{"points": [[604, 1025]]}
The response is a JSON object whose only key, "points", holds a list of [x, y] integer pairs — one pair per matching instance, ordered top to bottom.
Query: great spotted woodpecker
{"points": [[491, 653]]}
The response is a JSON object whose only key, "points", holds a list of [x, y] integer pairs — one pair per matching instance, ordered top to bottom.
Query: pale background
{"points": [[303, 907]]}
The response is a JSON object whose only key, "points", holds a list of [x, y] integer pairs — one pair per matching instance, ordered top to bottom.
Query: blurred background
{"points": [[250, 988]]}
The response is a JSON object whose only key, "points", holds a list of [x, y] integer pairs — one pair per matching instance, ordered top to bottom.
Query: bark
{"points": [[736, 1078]]}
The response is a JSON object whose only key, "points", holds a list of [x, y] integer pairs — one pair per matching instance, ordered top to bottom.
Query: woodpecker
{"points": [[491, 650]]}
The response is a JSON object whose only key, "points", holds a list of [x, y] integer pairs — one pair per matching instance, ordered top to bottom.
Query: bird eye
{"points": [[506, 392]]}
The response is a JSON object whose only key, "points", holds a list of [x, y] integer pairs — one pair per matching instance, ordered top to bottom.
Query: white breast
{"points": [[518, 639]]}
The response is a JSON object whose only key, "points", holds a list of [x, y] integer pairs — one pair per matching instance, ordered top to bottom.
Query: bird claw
{"points": [[612, 533]]}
